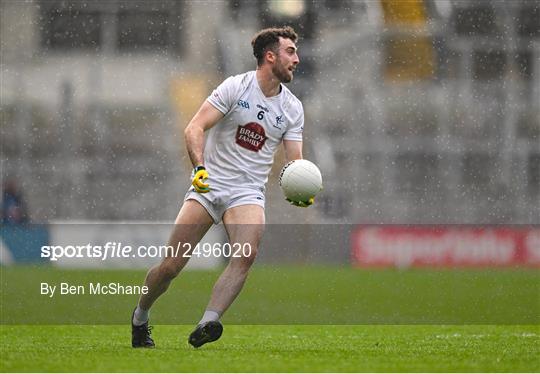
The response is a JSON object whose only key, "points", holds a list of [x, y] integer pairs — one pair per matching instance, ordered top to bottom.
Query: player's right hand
{"points": [[199, 176], [302, 204]]}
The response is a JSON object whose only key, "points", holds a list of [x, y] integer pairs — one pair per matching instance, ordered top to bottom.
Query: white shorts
{"points": [[219, 199]]}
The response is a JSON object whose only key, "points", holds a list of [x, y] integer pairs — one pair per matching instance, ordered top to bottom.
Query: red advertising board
{"points": [[451, 246]]}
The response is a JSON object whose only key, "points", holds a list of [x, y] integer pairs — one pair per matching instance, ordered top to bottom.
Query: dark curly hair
{"points": [[268, 39]]}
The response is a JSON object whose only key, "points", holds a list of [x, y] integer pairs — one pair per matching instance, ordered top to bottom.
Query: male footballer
{"points": [[246, 117]]}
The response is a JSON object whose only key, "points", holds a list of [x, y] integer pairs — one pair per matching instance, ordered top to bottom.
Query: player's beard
{"points": [[281, 72]]}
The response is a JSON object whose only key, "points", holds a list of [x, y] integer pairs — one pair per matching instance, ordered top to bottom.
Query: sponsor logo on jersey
{"points": [[243, 104], [251, 136]]}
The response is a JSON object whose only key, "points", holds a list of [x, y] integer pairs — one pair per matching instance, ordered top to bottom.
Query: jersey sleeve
{"points": [[224, 96], [294, 132]]}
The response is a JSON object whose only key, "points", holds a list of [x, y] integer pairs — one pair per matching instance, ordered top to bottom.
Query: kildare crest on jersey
{"points": [[279, 122], [251, 136]]}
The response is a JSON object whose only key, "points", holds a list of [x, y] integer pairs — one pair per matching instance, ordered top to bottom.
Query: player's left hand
{"points": [[199, 176], [302, 204]]}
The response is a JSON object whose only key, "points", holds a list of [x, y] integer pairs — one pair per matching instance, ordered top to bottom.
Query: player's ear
{"points": [[270, 56]]}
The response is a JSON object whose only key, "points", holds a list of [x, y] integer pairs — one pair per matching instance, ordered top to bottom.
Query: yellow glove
{"points": [[199, 176], [302, 204]]}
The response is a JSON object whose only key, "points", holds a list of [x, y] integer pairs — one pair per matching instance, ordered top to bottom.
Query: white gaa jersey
{"points": [[239, 149]]}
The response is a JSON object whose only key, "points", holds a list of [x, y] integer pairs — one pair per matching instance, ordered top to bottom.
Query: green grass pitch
{"points": [[304, 318], [276, 348]]}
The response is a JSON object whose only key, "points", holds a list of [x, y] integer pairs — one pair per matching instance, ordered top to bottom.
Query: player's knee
{"points": [[248, 257], [169, 269]]}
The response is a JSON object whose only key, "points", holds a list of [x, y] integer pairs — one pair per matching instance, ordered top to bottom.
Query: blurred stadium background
{"points": [[424, 111]]}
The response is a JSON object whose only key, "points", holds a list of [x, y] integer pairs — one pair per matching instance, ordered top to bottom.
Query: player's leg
{"points": [[192, 222], [245, 226]]}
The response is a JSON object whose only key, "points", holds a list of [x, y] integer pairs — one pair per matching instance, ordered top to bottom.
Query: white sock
{"points": [[209, 315], [140, 316]]}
